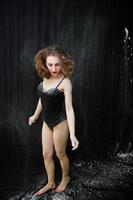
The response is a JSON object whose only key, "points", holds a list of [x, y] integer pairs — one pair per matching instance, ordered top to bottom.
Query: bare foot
{"points": [[62, 186], [45, 189]]}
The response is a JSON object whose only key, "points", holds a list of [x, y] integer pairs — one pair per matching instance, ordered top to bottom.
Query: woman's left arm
{"points": [[70, 113]]}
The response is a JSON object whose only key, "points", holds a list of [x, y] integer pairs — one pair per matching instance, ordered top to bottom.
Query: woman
{"points": [[55, 102]]}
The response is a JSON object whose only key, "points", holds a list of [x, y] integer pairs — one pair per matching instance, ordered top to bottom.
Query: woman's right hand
{"points": [[32, 120]]}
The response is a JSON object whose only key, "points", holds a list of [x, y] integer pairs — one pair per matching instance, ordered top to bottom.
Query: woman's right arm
{"points": [[37, 112]]}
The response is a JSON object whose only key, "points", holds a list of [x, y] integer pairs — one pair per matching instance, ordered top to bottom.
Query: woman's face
{"points": [[53, 64]]}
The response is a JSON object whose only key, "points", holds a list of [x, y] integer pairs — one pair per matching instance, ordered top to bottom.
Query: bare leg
{"points": [[60, 137], [47, 146]]}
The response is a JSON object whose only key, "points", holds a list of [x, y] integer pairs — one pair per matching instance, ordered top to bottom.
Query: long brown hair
{"points": [[67, 63]]}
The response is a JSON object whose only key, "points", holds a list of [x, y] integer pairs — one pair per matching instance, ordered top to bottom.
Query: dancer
{"points": [[55, 66]]}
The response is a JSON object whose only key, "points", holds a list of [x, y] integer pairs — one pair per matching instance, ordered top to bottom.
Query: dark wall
{"points": [[93, 33]]}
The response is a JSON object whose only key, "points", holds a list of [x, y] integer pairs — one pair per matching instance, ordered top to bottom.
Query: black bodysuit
{"points": [[53, 105]]}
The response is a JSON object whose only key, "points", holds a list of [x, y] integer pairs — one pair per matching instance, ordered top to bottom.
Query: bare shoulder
{"points": [[44, 78], [67, 81], [67, 84]]}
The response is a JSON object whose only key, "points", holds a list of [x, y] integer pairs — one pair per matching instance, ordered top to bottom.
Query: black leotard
{"points": [[53, 105]]}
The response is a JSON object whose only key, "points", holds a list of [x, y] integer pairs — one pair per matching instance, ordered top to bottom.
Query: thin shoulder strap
{"points": [[60, 82]]}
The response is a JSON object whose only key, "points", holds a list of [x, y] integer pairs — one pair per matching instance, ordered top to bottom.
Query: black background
{"points": [[93, 33]]}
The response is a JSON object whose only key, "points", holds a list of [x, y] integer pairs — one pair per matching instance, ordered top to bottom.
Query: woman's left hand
{"points": [[74, 142]]}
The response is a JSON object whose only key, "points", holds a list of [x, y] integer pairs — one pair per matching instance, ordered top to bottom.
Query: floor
{"points": [[109, 179]]}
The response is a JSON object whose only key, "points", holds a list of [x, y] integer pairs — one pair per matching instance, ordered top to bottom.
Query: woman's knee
{"points": [[47, 155], [61, 155]]}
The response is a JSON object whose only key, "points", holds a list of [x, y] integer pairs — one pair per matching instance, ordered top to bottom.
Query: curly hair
{"points": [[67, 63]]}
